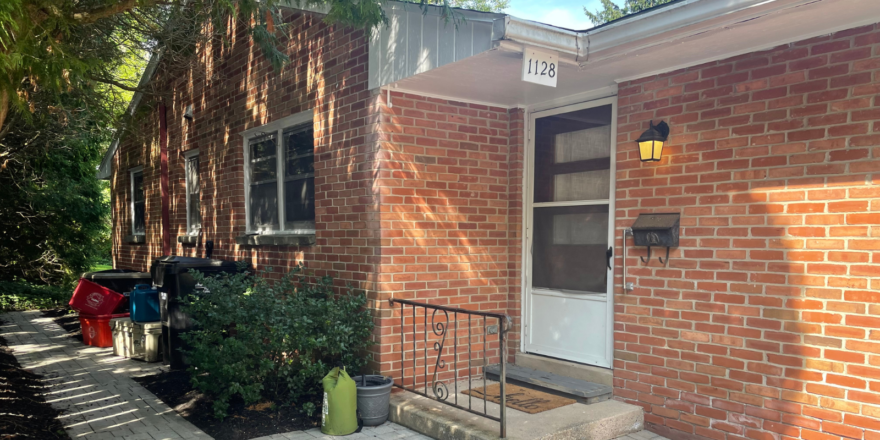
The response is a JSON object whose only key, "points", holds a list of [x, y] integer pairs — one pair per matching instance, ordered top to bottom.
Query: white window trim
{"points": [[276, 127], [186, 158], [131, 173]]}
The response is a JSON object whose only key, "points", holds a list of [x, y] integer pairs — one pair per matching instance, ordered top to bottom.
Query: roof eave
{"points": [[695, 15], [105, 170]]}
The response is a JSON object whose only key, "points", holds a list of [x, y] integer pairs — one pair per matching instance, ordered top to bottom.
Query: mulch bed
{"points": [[67, 320], [175, 389], [24, 413], [242, 423]]}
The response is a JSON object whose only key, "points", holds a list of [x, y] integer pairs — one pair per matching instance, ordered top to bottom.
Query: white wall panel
{"points": [[414, 42]]}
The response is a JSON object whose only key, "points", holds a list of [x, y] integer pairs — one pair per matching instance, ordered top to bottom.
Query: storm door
{"points": [[568, 297]]}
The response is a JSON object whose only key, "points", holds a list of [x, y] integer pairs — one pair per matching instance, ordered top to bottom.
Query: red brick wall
{"points": [[327, 73], [235, 89], [450, 184], [418, 200], [765, 324]]}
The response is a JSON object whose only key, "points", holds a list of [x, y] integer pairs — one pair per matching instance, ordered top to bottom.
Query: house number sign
{"points": [[540, 67]]}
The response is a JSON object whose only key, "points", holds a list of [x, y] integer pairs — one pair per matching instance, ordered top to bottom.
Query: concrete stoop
{"points": [[599, 421]]}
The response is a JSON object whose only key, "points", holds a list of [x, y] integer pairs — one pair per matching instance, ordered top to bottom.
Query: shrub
{"points": [[21, 295], [274, 341]]}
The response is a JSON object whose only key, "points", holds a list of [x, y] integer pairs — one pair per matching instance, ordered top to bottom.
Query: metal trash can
{"points": [[171, 275]]}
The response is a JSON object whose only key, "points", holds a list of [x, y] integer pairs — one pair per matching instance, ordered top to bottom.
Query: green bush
{"points": [[21, 295], [275, 341]]}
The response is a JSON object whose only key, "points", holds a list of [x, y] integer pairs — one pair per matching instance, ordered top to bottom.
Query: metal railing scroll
{"points": [[446, 331]]}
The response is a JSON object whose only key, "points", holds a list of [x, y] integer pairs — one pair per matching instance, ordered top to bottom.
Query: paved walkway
{"points": [[99, 400], [386, 431]]}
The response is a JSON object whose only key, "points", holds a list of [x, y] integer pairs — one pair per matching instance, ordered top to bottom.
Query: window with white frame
{"points": [[280, 176], [193, 192], [138, 201]]}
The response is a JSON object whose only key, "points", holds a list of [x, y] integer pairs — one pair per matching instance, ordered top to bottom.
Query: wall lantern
{"points": [[651, 142]]}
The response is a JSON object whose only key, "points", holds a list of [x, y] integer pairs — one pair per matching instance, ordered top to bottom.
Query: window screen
{"points": [[573, 156], [299, 178], [282, 180], [264, 184], [570, 211]]}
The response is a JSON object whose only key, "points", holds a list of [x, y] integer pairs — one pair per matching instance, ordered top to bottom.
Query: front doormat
{"points": [[522, 399]]}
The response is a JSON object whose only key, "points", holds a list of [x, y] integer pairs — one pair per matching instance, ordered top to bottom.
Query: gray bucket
{"points": [[373, 398]]}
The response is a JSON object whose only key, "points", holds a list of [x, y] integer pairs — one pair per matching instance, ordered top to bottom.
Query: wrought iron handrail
{"points": [[440, 330]]}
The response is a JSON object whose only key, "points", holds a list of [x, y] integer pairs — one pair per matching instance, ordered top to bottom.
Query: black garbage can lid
{"points": [[195, 262], [173, 264], [115, 274]]}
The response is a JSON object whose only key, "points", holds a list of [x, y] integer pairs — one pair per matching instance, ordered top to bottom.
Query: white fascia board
{"points": [[688, 17], [678, 20], [533, 33]]}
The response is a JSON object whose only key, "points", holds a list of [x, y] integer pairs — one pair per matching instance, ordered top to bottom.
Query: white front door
{"points": [[569, 229]]}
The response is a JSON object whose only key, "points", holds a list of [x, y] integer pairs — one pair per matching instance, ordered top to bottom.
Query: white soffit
{"points": [[493, 76]]}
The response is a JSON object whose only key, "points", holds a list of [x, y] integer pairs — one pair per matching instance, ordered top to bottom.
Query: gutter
{"points": [[671, 22], [105, 170]]}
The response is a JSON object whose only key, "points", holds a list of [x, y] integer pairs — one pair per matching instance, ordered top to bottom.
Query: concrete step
{"points": [[602, 376], [578, 389], [601, 421]]}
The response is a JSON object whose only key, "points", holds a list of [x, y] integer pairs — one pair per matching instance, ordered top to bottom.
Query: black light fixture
{"points": [[651, 142]]}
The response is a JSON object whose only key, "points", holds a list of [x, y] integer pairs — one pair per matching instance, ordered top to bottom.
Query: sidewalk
{"points": [[93, 389], [99, 400]]}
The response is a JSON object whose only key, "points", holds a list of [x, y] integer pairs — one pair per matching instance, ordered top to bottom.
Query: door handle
{"points": [[608, 254]]}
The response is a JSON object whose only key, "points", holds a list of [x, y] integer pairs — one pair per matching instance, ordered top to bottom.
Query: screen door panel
{"points": [[570, 232], [566, 241]]}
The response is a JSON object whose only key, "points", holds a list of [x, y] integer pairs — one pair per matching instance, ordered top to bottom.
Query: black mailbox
{"points": [[659, 229]]}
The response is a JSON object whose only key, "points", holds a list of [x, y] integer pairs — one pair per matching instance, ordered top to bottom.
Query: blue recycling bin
{"points": [[144, 304]]}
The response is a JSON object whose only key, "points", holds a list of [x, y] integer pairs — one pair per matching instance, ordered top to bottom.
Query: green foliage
{"points": [[476, 5], [610, 11], [63, 44], [53, 211], [20, 295], [274, 341]]}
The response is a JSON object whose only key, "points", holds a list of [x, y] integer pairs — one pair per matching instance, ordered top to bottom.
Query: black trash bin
{"points": [[172, 277], [120, 281]]}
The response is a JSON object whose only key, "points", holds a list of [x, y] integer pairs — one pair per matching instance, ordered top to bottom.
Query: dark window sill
{"points": [[135, 239], [188, 240], [276, 240]]}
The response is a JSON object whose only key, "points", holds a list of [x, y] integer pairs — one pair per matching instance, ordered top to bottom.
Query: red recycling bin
{"points": [[92, 299], [96, 329]]}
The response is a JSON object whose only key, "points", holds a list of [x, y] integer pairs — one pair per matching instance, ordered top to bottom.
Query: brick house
{"points": [[417, 164]]}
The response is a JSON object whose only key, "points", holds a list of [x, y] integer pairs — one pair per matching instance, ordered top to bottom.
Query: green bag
{"points": [[339, 412]]}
